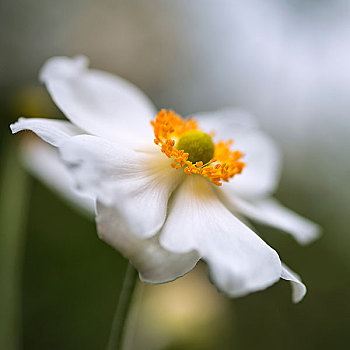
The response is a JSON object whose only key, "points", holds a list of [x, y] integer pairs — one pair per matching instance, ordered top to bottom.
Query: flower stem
{"points": [[14, 195], [121, 314]]}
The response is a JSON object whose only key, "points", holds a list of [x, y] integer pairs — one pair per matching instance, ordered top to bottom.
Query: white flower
{"points": [[162, 218]]}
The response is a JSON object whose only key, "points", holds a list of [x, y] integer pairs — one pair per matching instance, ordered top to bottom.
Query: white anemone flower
{"points": [[165, 194]]}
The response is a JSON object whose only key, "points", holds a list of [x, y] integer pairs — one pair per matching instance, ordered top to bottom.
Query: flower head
{"points": [[194, 150], [170, 191]]}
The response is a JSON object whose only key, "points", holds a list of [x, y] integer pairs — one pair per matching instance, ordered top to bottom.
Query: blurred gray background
{"points": [[285, 61]]}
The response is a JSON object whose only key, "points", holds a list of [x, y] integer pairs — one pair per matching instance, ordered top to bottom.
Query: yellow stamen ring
{"points": [[195, 151]]}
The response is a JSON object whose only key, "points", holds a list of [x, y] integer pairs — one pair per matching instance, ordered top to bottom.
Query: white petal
{"points": [[98, 102], [225, 121], [54, 132], [262, 157], [43, 162], [137, 184], [270, 212], [239, 261], [154, 263], [298, 287]]}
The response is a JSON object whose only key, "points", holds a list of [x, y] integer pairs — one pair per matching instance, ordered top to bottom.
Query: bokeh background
{"points": [[285, 61]]}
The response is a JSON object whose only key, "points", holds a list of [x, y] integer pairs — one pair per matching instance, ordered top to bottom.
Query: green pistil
{"points": [[198, 145]]}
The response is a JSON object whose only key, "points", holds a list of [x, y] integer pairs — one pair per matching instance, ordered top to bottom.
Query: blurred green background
{"points": [[287, 62]]}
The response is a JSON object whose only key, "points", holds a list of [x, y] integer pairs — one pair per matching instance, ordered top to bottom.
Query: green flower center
{"points": [[198, 145]]}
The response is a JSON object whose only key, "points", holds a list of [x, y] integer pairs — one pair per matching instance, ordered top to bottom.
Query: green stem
{"points": [[13, 212], [123, 308]]}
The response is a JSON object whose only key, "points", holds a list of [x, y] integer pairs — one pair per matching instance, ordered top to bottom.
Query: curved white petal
{"points": [[98, 102], [54, 132], [43, 162], [261, 175], [137, 184], [270, 212], [239, 261], [154, 263], [298, 287]]}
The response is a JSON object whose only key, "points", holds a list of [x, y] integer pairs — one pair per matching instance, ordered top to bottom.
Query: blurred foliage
{"points": [[71, 279]]}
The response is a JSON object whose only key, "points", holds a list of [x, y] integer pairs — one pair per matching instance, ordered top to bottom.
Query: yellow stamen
{"points": [[169, 127]]}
